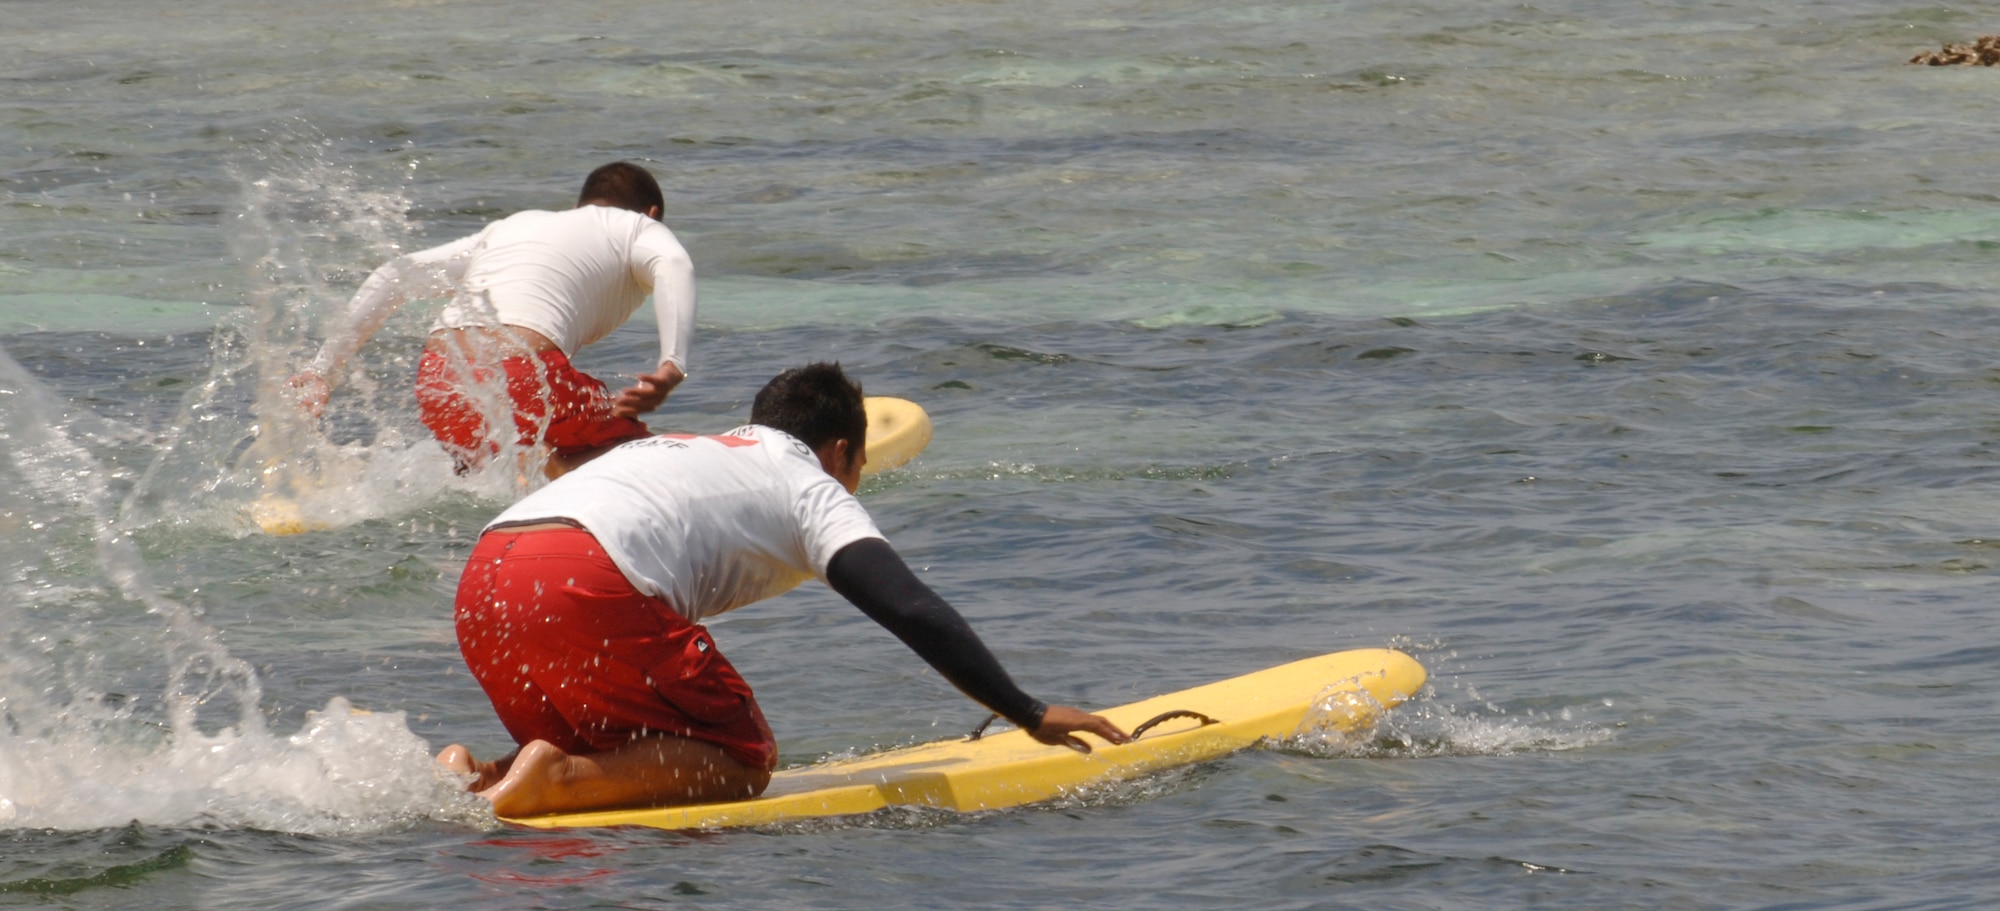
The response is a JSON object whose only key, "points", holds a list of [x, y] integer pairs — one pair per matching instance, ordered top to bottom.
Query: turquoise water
{"points": [[1629, 367]]}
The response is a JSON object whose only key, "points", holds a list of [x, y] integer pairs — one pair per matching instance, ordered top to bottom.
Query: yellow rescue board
{"points": [[898, 429], [1342, 691]]}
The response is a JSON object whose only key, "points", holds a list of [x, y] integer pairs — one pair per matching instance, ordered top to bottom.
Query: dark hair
{"points": [[625, 185], [816, 403]]}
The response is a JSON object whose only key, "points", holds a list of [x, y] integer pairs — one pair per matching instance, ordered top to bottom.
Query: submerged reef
{"points": [[1984, 51]]}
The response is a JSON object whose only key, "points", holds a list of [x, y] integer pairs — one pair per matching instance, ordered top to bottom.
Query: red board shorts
{"points": [[542, 387], [570, 653]]}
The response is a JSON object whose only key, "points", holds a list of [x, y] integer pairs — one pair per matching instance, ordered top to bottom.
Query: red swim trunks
{"points": [[541, 388], [570, 653]]}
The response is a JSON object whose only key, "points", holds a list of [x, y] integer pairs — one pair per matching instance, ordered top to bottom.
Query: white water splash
{"points": [[242, 454], [78, 611], [1426, 727], [344, 771]]}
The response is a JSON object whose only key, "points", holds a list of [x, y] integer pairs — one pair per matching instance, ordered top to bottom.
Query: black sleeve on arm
{"points": [[869, 573]]}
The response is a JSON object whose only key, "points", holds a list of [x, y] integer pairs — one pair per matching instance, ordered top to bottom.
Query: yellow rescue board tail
{"points": [[898, 429], [280, 515], [1342, 691]]}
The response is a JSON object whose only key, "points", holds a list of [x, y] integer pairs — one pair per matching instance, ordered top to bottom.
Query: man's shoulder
{"points": [[528, 215], [571, 219], [622, 219], [523, 225], [635, 232], [750, 440], [781, 443], [788, 457]]}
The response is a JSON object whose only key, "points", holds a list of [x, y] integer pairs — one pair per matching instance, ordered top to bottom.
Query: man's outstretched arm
{"points": [[426, 273], [874, 577]]}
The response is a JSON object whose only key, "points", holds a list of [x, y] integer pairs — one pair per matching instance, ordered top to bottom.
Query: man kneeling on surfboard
{"points": [[579, 611]]}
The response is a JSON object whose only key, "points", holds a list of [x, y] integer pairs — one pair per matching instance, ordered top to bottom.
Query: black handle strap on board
{"points": [[1167, 716], [1145, 726], [980, 731]]}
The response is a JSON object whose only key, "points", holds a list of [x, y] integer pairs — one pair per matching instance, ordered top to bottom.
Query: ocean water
{"points": [[1630, 365]]}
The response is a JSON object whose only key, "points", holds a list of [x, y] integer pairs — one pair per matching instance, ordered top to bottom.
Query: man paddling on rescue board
{"points": [[526, 293], [579, 611]]}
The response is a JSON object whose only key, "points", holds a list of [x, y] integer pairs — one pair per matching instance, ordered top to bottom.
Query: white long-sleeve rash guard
{"points": [[573, 276]]}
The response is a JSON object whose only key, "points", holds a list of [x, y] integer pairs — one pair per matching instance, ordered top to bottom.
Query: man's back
{"points": [[573, 276], [708, 523]]}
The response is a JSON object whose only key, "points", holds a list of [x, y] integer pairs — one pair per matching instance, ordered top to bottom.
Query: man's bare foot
{"points": [[459, 760], [526, 789]]}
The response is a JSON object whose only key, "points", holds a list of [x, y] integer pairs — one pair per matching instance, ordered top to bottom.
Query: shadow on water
{"points": [[72, 862]]}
